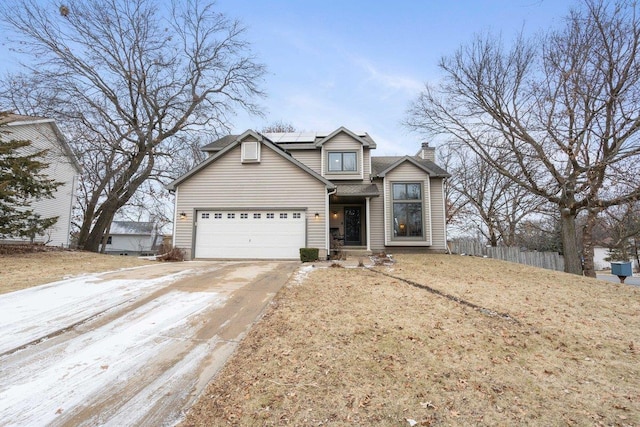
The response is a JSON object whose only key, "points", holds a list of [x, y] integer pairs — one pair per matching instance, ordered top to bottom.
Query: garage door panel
{"points": [[238, 235]]}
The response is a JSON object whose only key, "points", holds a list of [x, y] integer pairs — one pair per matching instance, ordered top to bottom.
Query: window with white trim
{"points": [[342, 161], [407, 210], [205, 215], [244, 215], [296, 215], [217, 216], [231, 216], [256, 216], [269, 216], [283, 216]]}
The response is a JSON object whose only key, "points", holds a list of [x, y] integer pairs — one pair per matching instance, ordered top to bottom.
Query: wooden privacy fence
{"points": [[548, 260]]}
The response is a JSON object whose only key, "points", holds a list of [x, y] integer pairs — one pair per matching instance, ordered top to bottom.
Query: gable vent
{"points": [[250, 152]]}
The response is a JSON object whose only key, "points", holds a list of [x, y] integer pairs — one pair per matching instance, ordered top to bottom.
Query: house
{"points": [[62, 167], [265, 196], [133, 238]]}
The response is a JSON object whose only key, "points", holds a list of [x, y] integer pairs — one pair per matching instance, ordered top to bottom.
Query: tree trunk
{"points": [[587, 244], [572, 263]]}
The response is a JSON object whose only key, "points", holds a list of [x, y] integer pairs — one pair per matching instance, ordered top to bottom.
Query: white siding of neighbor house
{"points": [[343, 142], [310, 158], [60, 168], [407, 172], [274, 182], [376, 206], [438, 218], [129, 243]]}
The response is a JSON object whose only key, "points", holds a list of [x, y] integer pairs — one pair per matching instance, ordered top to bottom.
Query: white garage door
{"points": [[250, 234]]}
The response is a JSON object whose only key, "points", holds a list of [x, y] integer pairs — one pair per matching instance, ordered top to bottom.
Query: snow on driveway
{"points": [[34, 313], [132, 347]]}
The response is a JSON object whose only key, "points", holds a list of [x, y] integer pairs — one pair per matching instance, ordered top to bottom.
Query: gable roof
{"points": [[10, 119], [365, 140], [220, 143], [230, 144], [380, 166]]}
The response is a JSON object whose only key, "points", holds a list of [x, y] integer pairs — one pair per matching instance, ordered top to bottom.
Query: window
{"points": [[250, 152], [343, 162], [407, 210], [205, 215], [296, 215], [217, 216], [231, 216], [244, 216], [256, 216], [269, 216], [283, 216], [109, 240]]}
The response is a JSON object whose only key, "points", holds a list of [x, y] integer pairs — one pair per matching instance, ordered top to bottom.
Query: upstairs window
{"points": [[250, 152], [343, 161]]}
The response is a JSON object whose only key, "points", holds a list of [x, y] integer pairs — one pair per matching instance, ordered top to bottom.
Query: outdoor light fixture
{"points": [[335, 214], [183, 215], [317, 215]]}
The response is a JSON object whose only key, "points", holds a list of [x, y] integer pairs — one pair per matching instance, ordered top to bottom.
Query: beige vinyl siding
{"points": [[342, 142], [310, 158], [366, 163], [60, 168], [407, 172], [274, 182], [376, 206], [439, 235]]}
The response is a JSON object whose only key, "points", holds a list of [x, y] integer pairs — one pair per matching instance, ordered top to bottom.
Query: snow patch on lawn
{"points": [[302, 274]]}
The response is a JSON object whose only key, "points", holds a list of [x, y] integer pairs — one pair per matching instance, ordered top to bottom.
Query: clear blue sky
{"points": [[360, 63]]}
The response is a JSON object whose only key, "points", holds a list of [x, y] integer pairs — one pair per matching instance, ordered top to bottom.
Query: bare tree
{"points": [[134, 83], [563, 111], [279, 126], [498, 204], [622, 227]]}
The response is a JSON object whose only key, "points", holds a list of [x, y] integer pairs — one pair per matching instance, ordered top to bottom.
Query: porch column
{"points": [[368, 223]]}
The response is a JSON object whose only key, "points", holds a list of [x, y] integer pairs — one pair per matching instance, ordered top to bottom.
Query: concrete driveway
{"points": [[133, 347]]}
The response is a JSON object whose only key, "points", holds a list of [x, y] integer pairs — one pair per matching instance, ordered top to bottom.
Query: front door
{"points": [[352, 225]]}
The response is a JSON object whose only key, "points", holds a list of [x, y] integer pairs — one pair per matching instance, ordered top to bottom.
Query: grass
{"points": [[20, 271], [355, 347]]}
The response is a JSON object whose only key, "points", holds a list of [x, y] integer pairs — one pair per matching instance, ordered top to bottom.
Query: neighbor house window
{"points": [[343, 162], [407, 210], [109, 240]]}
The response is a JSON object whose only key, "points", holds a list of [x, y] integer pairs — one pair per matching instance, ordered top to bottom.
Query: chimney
{"points": [[426, 152]]}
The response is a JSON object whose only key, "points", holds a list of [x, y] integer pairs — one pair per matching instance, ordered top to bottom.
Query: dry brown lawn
{"points": [[21, 271], [354, 347]]}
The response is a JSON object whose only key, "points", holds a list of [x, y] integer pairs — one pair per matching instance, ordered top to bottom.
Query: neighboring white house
{"points": [[62, 167], [133, 238], [599, 262]]}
